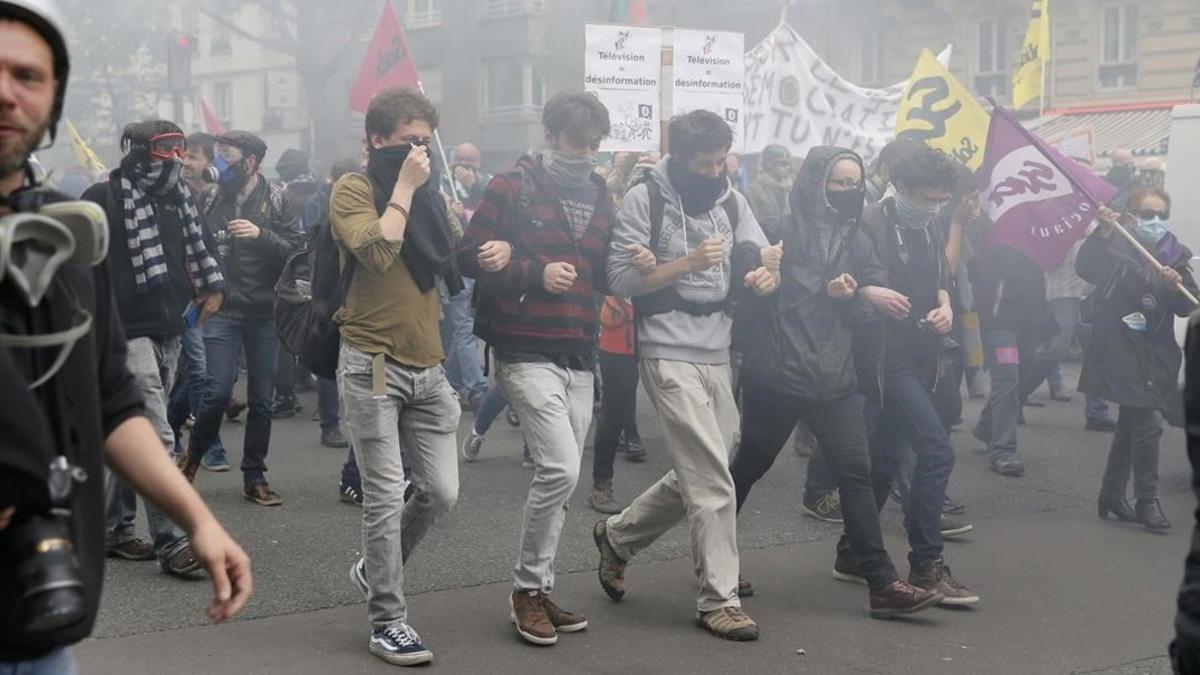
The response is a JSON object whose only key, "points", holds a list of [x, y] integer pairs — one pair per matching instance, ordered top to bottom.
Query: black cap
{"points": [[244, 141]]}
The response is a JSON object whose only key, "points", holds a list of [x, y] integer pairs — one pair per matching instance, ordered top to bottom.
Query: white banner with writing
{"points": [[622, 67], [709, 74], [794, 99]]}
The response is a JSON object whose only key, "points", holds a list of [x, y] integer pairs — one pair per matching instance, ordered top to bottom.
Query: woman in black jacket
{"points": [[1133, 359]]}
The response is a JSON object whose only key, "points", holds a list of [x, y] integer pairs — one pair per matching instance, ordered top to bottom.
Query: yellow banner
{"points": [[1029, 80], [938, 111], [83, 154]]}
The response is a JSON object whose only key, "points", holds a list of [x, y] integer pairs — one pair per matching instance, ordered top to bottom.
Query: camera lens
{"points": [[48, 575]]}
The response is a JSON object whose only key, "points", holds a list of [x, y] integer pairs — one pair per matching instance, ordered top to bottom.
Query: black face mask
{"points": [[383, 168], [698, 193], [847, 203]]}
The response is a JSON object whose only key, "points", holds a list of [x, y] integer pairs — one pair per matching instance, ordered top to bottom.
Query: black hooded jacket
{"points": [[798, 342]]}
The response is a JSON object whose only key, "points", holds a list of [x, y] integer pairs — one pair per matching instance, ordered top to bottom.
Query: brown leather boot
{"points": [[901, 597], [530, 617]]}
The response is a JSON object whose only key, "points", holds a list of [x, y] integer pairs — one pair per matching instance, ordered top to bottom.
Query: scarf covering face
{"points": [[569, 171], [161, 180], [698, 193], [913, 216], [428, 250]]}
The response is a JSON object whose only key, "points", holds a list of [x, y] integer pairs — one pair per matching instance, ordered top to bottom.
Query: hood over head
{"points": [[808, 200]]}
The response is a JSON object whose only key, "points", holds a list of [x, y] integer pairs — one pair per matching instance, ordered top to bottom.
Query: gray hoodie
{"points": [[677, 335]]}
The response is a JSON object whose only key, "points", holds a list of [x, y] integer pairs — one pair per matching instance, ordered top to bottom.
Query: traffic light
{"points": [[179, 62]]}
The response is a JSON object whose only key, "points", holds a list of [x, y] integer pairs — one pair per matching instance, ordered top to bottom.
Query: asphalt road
{"points": [[1062, 591]]}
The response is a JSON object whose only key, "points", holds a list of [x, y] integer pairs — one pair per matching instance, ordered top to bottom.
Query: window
{"points": [[494, 9], [422, 13], [220, 44], [1119, 46], [870, 68], [991, 72], [514, 85], [223, 101]]}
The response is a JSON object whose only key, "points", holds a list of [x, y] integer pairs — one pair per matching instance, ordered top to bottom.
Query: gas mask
{"points": [[33, 246]]}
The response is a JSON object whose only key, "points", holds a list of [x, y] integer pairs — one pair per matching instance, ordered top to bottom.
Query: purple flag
{"points": [[1040, 202]]}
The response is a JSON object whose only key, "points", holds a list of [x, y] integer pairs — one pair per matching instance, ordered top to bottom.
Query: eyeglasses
{"points": [[416, 140], [171, 145], [229, 153], [844, 183], [1151, 214]]}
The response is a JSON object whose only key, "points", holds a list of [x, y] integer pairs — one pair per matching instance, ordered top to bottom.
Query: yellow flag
{"points": [[1028, 82], [938, 111], [83, 154]]}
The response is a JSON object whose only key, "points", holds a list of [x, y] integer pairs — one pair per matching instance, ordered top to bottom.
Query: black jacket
{"points": [[252, 266], [1010, 293], [157, 312], [798, 342], [1128, 367], [91, 396], [1185, 650]]}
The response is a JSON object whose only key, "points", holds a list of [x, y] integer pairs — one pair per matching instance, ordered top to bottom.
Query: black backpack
{"points": [[309, 292]]}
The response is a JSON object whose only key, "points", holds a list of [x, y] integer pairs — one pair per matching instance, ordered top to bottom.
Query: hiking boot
{"points": [[234, 409], [1107, 426], [334, 439], [471, 446], [635, 451], [215, 460], [188, 463], [1008, 465], [351, 494], [263, 495], [602, 499], [824, 506], [951, 506], [1150, 515], [953, 528], [134, 549], [182, 564], [612, 567], [846, 568], [934, 575], [745, 588], [901, 597], [530, 617], [563, 621], [729, 623], [399, 645]]}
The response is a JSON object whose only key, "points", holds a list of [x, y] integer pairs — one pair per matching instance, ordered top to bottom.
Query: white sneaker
{"points": [[471, 446]]}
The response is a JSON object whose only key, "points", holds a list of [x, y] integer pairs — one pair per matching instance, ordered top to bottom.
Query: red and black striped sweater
{"points": [[514, 312]]}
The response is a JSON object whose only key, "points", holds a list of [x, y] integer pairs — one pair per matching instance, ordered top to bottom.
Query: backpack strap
{"points": [[658, 206], [731, 211]]}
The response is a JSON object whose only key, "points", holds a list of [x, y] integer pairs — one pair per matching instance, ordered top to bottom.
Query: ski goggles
{"points": [[171, 145]]}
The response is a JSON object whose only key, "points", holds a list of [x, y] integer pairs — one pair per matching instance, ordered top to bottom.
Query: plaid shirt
{"points": [[514, 312]]}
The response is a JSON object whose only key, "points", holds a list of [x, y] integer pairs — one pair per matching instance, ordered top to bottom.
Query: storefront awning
{"points": [[1144, 129]]}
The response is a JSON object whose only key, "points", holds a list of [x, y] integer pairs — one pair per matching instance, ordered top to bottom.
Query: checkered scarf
{"points": [[141, 227]]}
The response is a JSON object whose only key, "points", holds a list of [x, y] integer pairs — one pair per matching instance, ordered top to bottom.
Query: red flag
{"points": [[637, 12], [388, 62], [211, 123]]}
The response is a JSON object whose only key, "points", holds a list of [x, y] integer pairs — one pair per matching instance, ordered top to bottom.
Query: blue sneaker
{"points": [[215, 460], [358, 574], [399, 645]]}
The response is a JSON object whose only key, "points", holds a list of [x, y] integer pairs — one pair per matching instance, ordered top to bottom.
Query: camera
{"points": [[41, 545]]}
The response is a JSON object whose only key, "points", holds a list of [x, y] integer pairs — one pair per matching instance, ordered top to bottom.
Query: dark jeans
{"points": [[224, 340], [1010, 359], [285, 374], [619, 376], [189, 386], [327, 404], [490, 407], [909, 419], [767, 422], [1134, 449], [819, 479]]}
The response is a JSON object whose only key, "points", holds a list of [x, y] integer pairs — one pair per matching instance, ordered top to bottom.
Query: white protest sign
{"points": [[622, 67], [709, 74], [793, 98]]}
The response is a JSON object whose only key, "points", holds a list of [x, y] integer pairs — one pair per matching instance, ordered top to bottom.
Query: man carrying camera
{"points": [[61, 415]]}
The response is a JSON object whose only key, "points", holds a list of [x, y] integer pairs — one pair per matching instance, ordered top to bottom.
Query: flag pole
{"points": [[437, 139], [1158, 267]]}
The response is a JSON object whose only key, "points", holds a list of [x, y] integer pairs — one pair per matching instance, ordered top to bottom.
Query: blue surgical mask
{"points": [[1151, 231]]}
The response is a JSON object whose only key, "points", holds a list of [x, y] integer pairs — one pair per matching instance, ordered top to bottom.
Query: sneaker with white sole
{"points": [[471, 446], [358, 574], [399, 645]]}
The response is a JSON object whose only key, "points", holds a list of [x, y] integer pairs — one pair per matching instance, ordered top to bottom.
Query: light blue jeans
{"points": [[462, 351], [58, 662]]}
